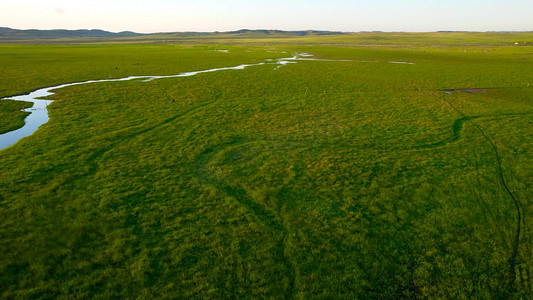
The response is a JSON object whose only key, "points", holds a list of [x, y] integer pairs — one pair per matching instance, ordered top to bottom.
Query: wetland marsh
{"points": [[349, 173]]}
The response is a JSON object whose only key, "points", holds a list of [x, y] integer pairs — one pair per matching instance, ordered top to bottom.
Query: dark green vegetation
{"points": [[11, 116], [356, 179]]}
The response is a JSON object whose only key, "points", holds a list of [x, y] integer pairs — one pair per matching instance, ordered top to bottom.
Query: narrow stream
{"points": [[39, 114]]}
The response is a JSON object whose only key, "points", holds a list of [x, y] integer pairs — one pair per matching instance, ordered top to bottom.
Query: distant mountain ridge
{"points": [[281, 32], [7, 33]]}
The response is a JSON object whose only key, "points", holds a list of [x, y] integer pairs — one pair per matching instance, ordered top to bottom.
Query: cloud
{"points": [[59, 10]]}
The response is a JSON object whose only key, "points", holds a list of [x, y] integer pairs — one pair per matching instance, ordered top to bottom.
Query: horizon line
{"points": [[282, 30]]}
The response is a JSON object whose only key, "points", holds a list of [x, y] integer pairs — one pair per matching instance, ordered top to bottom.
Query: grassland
{"points": [[11, 116], [350, 179]]}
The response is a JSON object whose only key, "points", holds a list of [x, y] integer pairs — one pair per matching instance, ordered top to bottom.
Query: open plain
{"points": [[384, 165]]}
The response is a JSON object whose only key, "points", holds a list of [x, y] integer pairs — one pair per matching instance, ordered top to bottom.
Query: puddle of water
{"points": [[307, 56], [401, 62], [282, 63], [473, 90], [470, 91]]}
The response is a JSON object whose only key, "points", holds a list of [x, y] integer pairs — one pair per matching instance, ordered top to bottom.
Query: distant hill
{"points": [[281, 32], [252, 33], [18, 34], [29, 34]]}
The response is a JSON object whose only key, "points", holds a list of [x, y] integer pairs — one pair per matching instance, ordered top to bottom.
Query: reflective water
{"points": [[401, 62], [38, 116]]}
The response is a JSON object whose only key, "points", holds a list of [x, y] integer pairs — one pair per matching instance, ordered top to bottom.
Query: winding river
{"points": [[39, 114]]}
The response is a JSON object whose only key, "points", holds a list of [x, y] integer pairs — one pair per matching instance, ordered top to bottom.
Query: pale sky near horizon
{"points": [[224, 15]]}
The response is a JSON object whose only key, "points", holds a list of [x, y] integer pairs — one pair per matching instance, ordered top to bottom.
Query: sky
{"points": [[148, 16]]}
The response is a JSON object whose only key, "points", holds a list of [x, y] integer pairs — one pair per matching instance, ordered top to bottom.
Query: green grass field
{"points": [[11, 115], [321, 179]]}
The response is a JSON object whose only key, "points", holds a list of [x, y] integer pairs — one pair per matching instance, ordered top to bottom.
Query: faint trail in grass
{"points": [[457, 128], [125, 137], [91, 160], [479, 198], [517, 204], [266, 217]]}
